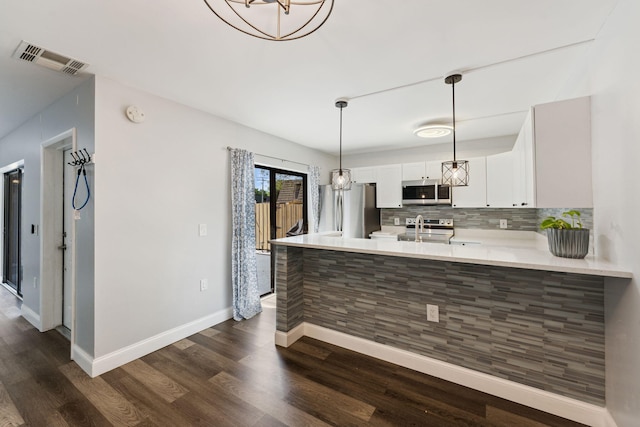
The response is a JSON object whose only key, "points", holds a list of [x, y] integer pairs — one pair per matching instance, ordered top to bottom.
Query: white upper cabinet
{"points": [[556, 146], [421, 170], [433, 170], [413, 171], [364, 175], [500, 180], [389, 186], [523, 186], [475, 194]]}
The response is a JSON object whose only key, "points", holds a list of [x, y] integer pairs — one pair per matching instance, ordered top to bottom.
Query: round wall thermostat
{"points": [[134, 114]]}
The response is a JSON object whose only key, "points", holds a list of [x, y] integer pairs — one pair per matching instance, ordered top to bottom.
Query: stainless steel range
{"points": [[428, 230]]}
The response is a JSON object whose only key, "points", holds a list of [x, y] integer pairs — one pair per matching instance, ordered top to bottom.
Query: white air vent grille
{"points": [[54, 61]]}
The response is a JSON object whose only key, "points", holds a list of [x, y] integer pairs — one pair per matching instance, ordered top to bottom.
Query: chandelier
{"points": [[277, 20]]}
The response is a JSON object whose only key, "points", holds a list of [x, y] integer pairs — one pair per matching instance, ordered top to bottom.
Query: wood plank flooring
{"points": [[231, 375]]}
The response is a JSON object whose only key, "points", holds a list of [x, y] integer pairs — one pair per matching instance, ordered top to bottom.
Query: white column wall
{"points": [[616, 188]]}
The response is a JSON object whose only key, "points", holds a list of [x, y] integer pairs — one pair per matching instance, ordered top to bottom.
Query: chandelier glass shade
{"points": [[277, 20], [455, 173]]}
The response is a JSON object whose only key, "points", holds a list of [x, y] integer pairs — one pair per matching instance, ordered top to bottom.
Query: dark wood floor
{"points": [[231, 375]]}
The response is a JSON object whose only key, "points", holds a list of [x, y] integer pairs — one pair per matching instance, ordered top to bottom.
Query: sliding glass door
{"points": [[281, 211]]}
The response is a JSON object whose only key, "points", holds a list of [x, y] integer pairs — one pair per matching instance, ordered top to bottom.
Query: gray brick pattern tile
{"points": [[524, 219], [288, 273], [542, 329]]}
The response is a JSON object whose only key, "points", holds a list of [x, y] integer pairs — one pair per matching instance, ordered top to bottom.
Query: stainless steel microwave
{"points": [[425, 192]]}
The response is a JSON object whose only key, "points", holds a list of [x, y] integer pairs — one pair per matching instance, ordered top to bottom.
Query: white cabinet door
{"points": [[562, 147], [421, 170], [433, 170], [413, 171], [364, 175], [523, 179], [500, 180], [389, 186], [475, 194]]}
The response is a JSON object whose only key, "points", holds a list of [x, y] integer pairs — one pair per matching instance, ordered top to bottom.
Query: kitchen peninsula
{"points": [[504, 313]]}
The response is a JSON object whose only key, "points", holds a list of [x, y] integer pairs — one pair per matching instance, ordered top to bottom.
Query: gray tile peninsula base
{"points": [[538, 328]]}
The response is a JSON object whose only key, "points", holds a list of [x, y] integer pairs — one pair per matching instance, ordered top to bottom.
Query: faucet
{"points": [[419, 227]]}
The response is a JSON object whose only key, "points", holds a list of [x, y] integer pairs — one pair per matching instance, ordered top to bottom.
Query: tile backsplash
{"points": [[524, 219]]}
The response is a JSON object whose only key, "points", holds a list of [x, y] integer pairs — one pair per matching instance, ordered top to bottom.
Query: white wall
{"points": [[75, 109], [441, 151], [616, 156], [155, 182]]}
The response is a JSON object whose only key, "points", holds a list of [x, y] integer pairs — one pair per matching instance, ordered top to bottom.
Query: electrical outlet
{"points": [[396, 221], [503, 223], [35, 282], [203, 285], [433, 314]]}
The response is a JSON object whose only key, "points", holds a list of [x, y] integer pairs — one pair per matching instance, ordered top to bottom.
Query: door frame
{"points": [[8, 168], [273, 171], [51, 220]]}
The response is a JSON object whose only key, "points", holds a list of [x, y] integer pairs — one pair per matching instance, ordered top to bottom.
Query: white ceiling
{"points": [[512, 53]]}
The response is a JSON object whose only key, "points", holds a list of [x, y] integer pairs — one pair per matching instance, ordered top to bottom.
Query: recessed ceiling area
{"points": [[389, 59]]}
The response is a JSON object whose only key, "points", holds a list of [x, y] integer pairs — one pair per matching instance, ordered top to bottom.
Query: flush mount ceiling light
{"points": [[277, 20], [433, 131], [455, 173], [341, 178]]}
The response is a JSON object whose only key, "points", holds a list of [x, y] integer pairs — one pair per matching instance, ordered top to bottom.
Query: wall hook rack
{"points": [[80, 157]]}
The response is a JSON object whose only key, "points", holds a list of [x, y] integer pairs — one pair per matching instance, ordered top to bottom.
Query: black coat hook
{"points": [[80, 158]]}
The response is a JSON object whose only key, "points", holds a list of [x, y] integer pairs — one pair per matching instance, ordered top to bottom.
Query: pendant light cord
{"points": [[453, 92], [341, 140]]}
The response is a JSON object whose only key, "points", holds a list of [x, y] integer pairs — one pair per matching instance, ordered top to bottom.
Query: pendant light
{"points": [[455, 173], [341, 178]]}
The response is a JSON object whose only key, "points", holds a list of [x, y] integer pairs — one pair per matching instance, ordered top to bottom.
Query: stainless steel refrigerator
{"points": [[353, 212]]}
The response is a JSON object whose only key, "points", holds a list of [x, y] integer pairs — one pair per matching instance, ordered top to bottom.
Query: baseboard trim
{"points": [[31, 316], [285, 339], [83, 359], [102, 364], [552, 403], [609, 421]]}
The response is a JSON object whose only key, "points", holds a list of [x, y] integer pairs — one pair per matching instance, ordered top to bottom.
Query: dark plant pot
{"points": [[572, 243]]}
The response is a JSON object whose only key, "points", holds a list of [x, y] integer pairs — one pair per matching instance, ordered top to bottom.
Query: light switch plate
{"points": [[202, 230]]}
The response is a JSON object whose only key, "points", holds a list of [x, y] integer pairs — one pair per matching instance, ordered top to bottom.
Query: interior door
{"points": [[69, 177], [12, 265]]}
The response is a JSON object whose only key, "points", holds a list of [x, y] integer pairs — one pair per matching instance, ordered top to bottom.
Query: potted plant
{"points": [[566, 239]]}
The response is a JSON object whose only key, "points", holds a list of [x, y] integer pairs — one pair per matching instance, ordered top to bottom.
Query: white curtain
{"points": [[313, 173], [244, 271]]}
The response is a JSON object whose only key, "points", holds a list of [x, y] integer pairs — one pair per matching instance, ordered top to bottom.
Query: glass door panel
{"points": [[12, 267]]}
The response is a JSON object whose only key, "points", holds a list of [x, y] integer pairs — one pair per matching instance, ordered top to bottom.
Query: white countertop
{"points": [[530, 257]]}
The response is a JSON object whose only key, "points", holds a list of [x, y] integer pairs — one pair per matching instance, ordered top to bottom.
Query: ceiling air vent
{"points": [[54, 61]]}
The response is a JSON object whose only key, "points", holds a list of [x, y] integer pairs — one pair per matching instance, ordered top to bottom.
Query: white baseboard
{"points": [[31, 316], [285, 339], [82, 358], [100, 365], [572, 409], [609, 421]]}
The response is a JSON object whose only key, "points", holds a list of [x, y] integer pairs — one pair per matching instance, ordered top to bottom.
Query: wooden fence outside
{"points": [[287, 215]]}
